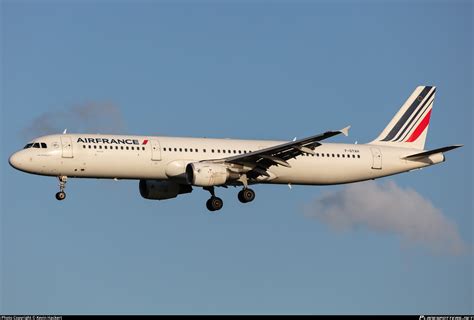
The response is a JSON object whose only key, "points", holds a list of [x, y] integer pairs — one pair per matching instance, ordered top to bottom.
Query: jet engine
{"points": [[208, 174], [161, 190]]}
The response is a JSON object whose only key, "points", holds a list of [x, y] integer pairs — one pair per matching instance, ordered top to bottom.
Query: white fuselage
{"points": [[165, 158]]}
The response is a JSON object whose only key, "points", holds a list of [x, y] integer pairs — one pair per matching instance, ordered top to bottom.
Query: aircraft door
{"points": [[66, 145], [155, 150], [376, 158]]}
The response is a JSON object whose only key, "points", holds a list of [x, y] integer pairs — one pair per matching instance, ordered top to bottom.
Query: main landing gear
{"points": [[61, 195], [246, 195], [215, 203]]}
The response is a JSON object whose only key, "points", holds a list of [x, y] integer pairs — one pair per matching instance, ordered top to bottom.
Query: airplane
{"points": [[170, 166]]}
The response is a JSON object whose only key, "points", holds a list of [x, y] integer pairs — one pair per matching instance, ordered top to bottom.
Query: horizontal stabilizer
{"points": [[430, 152]]}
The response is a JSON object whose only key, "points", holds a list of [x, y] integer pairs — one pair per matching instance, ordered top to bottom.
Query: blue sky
{"points": [[264, 70]]}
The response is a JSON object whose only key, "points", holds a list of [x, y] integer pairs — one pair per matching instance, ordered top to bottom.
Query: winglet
{"points": [[345, 131]]}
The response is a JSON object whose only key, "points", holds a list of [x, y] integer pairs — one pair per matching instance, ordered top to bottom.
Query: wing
{"points": [[263, 159]]}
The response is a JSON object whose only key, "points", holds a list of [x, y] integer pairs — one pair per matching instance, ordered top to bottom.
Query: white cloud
{"points": [[90, 117], [388, 208]]}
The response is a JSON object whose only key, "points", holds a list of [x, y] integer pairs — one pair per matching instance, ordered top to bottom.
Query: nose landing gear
{"points": [[61, 195]]}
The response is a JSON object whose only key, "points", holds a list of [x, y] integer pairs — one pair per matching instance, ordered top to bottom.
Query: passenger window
{"points": [[84, 146], [90, 146], [95, 147], [100, 147], [105, 147], [116, 147], [121, 147], [126, 148], [133, 148], [143, 148], [164, 149], [175, 149], [180, 149], [185, 149], [190, 149], [196, 150], [204, 150], [212, 150], [218, 151], [223, 151], [240, 151], [322, 154], [328, 155], [338, 155], [343, 155], [353, 156], [358, 156]]}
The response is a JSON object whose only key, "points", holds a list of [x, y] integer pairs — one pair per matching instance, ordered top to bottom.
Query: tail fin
{"points": [[409, 126]]}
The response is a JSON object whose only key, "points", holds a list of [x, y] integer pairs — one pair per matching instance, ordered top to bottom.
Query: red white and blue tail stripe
{"points": [[409, 126]]}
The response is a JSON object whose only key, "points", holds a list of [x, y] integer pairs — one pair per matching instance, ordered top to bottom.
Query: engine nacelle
{"points": [[207, 174], [161, 190]]}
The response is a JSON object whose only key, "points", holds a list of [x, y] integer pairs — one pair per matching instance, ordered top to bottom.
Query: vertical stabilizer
{"points": [[409, 126]]}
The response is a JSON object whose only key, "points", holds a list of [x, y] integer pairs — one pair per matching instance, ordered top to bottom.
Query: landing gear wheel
{"points": [[61, 195], [246, 195], [214, 204], [209, 205]]}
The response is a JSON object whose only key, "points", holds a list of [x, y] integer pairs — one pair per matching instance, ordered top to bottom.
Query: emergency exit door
{"points": [[66, 145], [155, 150], [376, 158]]}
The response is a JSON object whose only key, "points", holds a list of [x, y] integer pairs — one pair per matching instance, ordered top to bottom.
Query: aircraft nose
{"points": [[15, 161]]}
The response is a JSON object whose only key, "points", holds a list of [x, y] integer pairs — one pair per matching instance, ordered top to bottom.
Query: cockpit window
{"points": [[36, 145]]}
